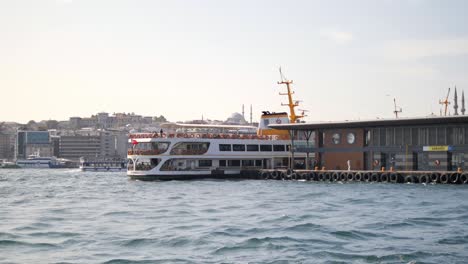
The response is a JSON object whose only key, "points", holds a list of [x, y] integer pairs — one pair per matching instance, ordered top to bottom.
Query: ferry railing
{"points": [[204, 135], [144, 152]]}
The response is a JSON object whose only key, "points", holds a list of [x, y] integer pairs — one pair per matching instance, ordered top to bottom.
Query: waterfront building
{"points": [[104, 120], [32, 143], [429, 143], [92, 144], [73, 147], [6, 149]]}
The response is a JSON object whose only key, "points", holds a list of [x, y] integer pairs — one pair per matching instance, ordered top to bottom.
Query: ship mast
{"points": [[397, 108], [293, 118]]}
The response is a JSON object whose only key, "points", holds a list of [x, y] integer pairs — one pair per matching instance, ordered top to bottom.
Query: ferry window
{"points": [[160, 146], [224, 147], [238, 147], [252, 147], [288, 147], [190, 148], [265, 148], [279, 148], [205, 163], [222, 163], [234, 163], [248, 163], [258, 163]]}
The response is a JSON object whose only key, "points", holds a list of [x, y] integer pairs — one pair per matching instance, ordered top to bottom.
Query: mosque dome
{"points": [[236, 118]]}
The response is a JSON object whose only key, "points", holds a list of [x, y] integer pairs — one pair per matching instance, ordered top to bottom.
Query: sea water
{"points": [[69, 216]]}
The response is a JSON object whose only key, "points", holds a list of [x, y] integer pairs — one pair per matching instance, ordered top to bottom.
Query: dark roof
{"points": [[445, 120]]}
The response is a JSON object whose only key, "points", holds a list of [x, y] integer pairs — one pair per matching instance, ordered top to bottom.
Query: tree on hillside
{"points": [[159, 119], [52, 124], [31, 125]]}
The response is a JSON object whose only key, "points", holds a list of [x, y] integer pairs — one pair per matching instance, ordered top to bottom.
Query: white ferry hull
{"points": [[101, 169], [190, 175]]}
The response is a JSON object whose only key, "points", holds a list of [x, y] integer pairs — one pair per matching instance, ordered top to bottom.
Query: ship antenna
{"points": [[292, 104], [397, 108]]}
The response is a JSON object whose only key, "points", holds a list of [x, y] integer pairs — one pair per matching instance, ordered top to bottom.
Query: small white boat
{"points": [[37, 162], [102, 165]]}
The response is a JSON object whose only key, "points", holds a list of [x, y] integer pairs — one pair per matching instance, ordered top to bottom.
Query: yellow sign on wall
{"points": [[436, 148]]}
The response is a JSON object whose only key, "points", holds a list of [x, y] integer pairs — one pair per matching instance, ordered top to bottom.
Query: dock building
{"points": [[429, 143]]}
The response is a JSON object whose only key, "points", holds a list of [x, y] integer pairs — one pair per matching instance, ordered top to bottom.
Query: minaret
{"points": [[455, 103], [463, 103], [243, 111]]}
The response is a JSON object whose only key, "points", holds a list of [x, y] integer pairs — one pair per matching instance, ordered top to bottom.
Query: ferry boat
{"points": [[193, 151], [37, 162], [102, 165]]}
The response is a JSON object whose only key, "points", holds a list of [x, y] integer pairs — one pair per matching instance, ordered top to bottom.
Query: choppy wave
{"points": [[66, 216]]}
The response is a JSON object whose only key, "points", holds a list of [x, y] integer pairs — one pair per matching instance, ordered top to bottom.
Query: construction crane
{"points": [[445, 102], [397, 109]]}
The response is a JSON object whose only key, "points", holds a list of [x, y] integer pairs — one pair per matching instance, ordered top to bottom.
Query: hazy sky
{"points": [[185, 59]]}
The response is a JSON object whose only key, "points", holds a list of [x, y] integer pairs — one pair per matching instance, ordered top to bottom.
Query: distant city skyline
{"points": [[185, 59]]}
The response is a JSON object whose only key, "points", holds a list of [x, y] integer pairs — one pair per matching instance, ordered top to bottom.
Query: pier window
{"points": [[458, 133], [441, 134], [382, 136], [398, 136], [407, 136], [414, 136], [423, 136], [432, 136], [449, 136], [375, 137], [390, 137], [367, 138], [465, 140], [224, 147], [238, 147], [252, 147], [265, 148], [279, 148], [205, 163]]}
